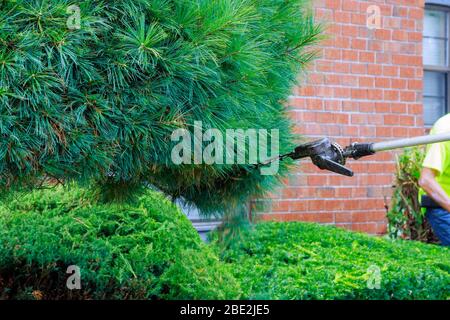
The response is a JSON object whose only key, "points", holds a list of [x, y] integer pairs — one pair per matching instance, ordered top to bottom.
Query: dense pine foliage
{"points": [[100, 101]]}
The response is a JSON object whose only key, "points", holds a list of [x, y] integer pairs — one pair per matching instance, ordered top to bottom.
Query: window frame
{"points": [[438, 2], [441, 69]]}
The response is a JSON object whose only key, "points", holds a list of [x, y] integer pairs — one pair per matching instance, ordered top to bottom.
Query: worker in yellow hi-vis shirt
{"points": [[435, 182]]}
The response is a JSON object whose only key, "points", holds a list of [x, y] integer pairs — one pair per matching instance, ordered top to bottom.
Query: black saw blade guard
{"points": [[325, 154], [328, 155]]}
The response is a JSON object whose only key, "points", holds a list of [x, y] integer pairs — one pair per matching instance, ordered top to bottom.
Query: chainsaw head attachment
{"points": [[325, 154], [331, 156]]}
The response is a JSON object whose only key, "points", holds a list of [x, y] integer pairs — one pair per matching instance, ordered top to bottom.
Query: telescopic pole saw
{"points": [[331, 156]]}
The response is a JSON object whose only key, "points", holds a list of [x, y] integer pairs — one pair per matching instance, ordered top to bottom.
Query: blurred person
{"points": [[435, 183]]}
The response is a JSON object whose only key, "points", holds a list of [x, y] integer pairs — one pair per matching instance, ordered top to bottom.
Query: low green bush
{"points": [[150, 250], [124, 251], [308, 261]]}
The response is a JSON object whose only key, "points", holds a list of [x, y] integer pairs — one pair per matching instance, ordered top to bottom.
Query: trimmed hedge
{"points": [[145, 251], [151, 251], [308, 261]]}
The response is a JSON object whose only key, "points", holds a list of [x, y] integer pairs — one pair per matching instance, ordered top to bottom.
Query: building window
{"points": [[436, 63], [203, 225]]}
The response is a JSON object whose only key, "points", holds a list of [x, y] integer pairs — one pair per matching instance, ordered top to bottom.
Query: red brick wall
{"points": [[366, 86]]}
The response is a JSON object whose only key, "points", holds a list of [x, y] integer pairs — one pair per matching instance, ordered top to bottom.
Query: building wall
{"points": [[365, 86]]}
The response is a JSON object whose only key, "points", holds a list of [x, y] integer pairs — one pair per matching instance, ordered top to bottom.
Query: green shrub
{"points": [[102, 98], [406, 218], [124, 251], [308, 261]]}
